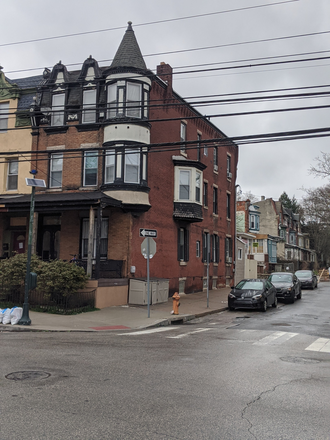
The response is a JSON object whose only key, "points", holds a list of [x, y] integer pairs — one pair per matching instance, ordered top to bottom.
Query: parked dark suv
{"points": [[287, 285]]}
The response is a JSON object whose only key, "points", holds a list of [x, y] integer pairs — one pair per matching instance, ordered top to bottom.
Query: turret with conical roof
{"points": [[129, 53]]}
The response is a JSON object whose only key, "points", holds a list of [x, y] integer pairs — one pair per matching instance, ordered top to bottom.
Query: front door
{"points": [[49, 237]]}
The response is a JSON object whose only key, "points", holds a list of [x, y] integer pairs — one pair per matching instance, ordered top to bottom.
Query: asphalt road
{"points": [[235, 375]]}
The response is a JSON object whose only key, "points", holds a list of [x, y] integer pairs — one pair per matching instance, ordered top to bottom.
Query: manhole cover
{"points": [[282, 324], [298, 360], [27, 375]]}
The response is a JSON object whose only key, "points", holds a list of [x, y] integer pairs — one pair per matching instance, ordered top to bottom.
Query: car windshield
{"points": [[304, 274], [278, 278], [250, 285]]}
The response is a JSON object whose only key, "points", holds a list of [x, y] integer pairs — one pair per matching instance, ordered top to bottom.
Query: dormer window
{"points": [[126, 98], [58, 102], [89, 106]]}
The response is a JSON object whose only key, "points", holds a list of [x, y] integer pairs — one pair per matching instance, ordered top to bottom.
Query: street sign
{"points": [[35, 182], [148, 233], [151, 246]]}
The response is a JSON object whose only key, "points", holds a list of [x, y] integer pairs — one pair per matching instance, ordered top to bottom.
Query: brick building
{"points": [[120, 151]]}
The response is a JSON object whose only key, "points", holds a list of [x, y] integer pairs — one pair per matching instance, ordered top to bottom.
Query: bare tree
{"points": [[322, 169]]}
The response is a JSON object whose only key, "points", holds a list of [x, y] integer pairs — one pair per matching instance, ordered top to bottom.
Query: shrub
{"points": [[13, 270]]}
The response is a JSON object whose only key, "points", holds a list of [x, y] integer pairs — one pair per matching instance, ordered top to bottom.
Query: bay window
{"points": [[126, 99], [110, 160], [132, 166]]}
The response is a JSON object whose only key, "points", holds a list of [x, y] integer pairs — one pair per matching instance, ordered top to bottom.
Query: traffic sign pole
{"points": [[148, 279]]}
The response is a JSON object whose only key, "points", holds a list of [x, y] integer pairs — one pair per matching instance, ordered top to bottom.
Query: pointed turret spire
{"points": [[129, 53]]}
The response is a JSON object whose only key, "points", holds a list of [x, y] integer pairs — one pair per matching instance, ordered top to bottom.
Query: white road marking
{"points": [[149, 331], [189, 333], [285, 336], [321, 344]]}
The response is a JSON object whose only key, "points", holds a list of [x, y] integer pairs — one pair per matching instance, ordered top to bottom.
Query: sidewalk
{"points": [[127, 317]]}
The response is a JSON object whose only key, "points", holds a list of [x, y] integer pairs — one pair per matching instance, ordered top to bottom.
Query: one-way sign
{"points": [[148, 233]]}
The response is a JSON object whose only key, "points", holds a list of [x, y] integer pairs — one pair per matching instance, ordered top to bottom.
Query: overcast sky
{"points": [[234, 26]]}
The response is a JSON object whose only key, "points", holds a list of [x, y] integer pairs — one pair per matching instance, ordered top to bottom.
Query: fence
{"points": [[53, 303]]}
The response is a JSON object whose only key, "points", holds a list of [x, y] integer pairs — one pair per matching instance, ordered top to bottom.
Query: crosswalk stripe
{"points": [[147, 332], [189, 333], [285, 336], [321, 344]]}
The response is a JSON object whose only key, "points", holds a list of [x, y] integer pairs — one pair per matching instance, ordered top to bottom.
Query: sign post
{"points": [[148, 250], [25, 320]]}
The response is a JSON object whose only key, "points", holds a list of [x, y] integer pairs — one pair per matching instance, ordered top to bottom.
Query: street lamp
{"points": [[25, 320]]}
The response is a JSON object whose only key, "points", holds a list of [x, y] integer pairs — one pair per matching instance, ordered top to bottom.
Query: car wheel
{"points": [[316, 286], [299, 295], [291, 300], [275, 302], [264, 306], [231, 308]]}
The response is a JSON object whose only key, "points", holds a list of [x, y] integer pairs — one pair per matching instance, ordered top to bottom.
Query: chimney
{"points": [[164, 71], [262, 197]]}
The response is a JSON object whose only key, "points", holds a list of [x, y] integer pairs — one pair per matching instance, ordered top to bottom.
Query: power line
{"points": [[147, 23]]}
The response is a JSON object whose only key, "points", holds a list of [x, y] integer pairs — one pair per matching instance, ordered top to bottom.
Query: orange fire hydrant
{"points": [[176, 304]]}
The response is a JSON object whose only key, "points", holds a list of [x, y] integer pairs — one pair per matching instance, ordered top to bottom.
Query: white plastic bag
{"points": [[2, 311], [16, 315], [6, 316]]}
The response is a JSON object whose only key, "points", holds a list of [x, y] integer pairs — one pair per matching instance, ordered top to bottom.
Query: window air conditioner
{"points": [[215, 167], [229, 175], [228, 259]]}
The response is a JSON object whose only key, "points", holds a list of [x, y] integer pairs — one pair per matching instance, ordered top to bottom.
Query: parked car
{"points": [[307, 278], [287, 286], [252, 294]]}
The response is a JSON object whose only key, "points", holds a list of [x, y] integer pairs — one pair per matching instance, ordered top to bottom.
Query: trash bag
{"points": [[2, 311], [16, 315], [6, 316]]}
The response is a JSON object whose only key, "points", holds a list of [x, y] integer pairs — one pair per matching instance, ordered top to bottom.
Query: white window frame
{"points": [[112, 100], [58, 106], [89, 106], [133, 106], [4, 116], [88, 154], [132, 155], [110, 163], [55, 169], [12, 175], [190, 182], [198, 249]]}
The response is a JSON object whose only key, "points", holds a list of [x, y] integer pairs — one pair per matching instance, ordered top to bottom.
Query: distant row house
{"points": [[273, 236]]}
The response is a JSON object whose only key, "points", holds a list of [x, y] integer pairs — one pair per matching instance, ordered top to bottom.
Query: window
{"points": [[125, 98], [112, 100], [133, 100], [58, 102], [89, 106], [4, 115], [183, 136], [199, 138], [206, 151], [215, 158], [132, 166], [110, 167], [90, 168], [55, 170], [12, 175], [229, 175], [184, 185], [198, 187], [205, 195], [215, 200], [228, 205], [254, 222], [103, 241], [183, 244], [257, 246], [206, 247], [198, 248], [215, 248], [228, 250], [240, 253]]}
